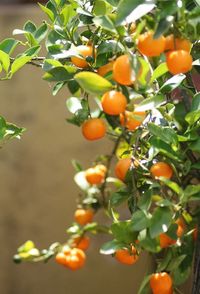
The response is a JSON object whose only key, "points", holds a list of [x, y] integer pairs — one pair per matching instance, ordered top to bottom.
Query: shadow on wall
{"points": [[38, 195]]}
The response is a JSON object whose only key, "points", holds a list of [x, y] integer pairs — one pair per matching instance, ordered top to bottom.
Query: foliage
{"points": [[169, 133]]}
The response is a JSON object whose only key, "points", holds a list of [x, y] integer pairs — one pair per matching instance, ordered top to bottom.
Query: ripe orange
{"points": [[172, 43], [149, 46], [85, 51], [178, 61], [104, 69], [122, 71], [113, 102], [132, 120], [94, 129], [122, 168], [161, 169], [96, 175], [83, 216], [181, 227], [166, 241], [81, 242], [124, 256], [61, 258], [75, 259], [161, 283]]}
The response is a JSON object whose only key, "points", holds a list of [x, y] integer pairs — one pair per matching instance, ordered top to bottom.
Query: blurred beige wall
{"points": [[37, 192]]}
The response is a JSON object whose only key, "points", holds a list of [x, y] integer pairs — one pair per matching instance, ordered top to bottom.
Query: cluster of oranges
{"points": [[73, 256]]}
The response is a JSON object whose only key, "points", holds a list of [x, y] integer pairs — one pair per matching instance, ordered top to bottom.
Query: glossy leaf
{"points": [[160, 221]]}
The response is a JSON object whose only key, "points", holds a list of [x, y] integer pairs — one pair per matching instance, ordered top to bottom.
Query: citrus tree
{"points": [[131, 68]]}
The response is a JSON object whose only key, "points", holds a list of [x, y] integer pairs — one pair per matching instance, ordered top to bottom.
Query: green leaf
{"points": [[99, 7], [127, 7], [48, 12], [67, 13], [104, 22], [163, 26], [29, 27], [41, 32], [8, 45], [33, 51], [4, 60], [19, 63], [145, 69], [159, 71], [59, 74], [93, 83], [172, 83], [195, 102], [151, 103], [73, 104], [192, 117], [166, 134], [195, 146], [165, 149], [172, 185], [190, 191], [119, 197], [145, 201], [139, 221], [160, 221], [122, 231], [147, 243], [28, 245], [111, 246], [165, 261], [175, 262], [179, 275], [144, 287]]}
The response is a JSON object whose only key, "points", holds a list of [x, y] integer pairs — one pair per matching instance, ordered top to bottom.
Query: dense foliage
{"points": [[138, 61]]}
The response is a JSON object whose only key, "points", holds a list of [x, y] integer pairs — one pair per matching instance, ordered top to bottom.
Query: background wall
{"points": [[37, 193]]}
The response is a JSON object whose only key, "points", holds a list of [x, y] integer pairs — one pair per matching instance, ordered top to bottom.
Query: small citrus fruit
{"points": [[172, 43], [149, 46], [85, 51], [178, 61], [104, 69], [122, 71], [113, 102], [132, 120], [94, 129], [122, 168], [161, 169], [94, 176], [83, 216], [166, 241], [81, 242], [126, 257], [60, 258], [75, 259], [161, 283]]}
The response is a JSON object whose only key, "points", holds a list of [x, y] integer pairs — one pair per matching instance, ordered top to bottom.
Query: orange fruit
{"points": [[172, 43], [149, 46], [84, 51], [178, 61], [104, 69], [122, 71], [113, 102], [132, 120], [93, 129], [122, 168], [161, 169], [96, 175], [83, 216], [181, 227], [166, 241], [81, 242], [124, 256], [60, 258], [75, 259], [161, 283]]}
